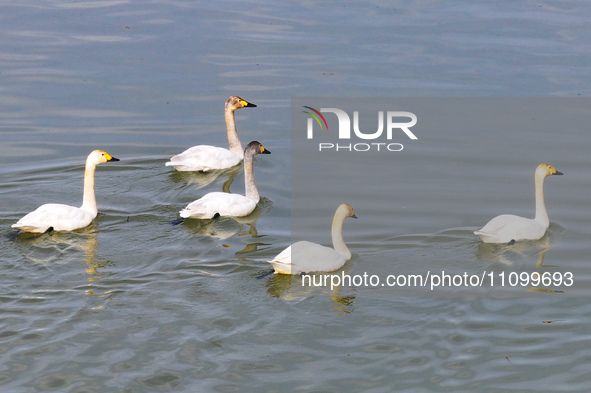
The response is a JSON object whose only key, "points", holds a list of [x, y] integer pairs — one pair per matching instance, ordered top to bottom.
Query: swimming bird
{"points": [[206, 158], [215, 204], [58, 217], [508, 228], [308, 257]]}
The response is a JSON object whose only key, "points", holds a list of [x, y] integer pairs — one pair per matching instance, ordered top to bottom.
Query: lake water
{"points": [[135, 304]]}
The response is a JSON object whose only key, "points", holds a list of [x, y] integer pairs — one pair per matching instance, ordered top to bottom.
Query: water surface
{"points": [[133, 303]]}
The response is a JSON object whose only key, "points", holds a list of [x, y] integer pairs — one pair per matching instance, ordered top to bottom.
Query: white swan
{"points": [[206, 158], [216, 204], [58, 217], [507, 228], [307, 257]]}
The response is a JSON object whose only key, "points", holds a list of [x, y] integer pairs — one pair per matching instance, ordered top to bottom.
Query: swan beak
{"points": [[247, 104], [265, 151], [108, 157], [558, 173], [353, 216]]}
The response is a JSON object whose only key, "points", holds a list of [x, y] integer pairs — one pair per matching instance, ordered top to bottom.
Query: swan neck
{"points": [[233, 140], [250, 186], [89, 200], [541, 214], [337, 236]]}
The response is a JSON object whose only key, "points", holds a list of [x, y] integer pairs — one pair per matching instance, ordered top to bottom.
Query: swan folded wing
{"points": [[204, 158], [224, 204], [56, 216], [508, 227], [282, 262]]}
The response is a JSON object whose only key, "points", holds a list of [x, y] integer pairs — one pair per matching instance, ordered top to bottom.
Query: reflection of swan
{"points": [[205, 158], [202, 179], [223, 204], [263, 207], [58, 217], [507, 227], [220, 228], [65, 248], [510, 254], [307, 257], [296, 288]]}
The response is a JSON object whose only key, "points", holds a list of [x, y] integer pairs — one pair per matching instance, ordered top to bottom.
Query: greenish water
{"points": [[134, 304]]}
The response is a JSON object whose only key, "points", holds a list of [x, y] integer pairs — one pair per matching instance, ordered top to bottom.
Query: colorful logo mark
{"points": [[316, 117]]}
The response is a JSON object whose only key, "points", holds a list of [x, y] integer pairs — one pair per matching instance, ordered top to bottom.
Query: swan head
{"points": [[236, 102], [254, 148], [100, 157], [544, 170], [346, 210]]}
